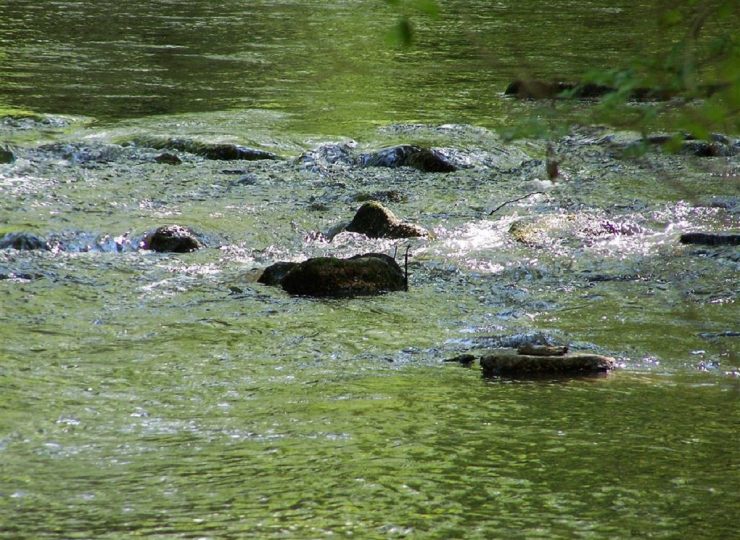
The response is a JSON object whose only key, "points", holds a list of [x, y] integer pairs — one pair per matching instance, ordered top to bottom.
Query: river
{"points": [[171, 396]]}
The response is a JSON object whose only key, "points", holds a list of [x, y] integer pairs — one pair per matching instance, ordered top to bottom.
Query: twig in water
{"points": [[500, 206], [406, 269]]}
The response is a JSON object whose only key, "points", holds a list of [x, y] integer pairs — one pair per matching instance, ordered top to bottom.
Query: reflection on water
{"points": [[326, 63], [170, 396]]}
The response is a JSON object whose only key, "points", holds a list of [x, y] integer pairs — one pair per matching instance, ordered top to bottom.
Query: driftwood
{"points": [[509, 363]]}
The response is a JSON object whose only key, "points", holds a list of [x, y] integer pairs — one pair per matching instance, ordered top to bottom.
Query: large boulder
{"points": [[408, 155], [376, 221], [172, 239], [23, 241], [368, 274]]}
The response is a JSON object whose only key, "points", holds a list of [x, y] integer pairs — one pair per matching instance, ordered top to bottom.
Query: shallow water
{"points": [[169, 395]]}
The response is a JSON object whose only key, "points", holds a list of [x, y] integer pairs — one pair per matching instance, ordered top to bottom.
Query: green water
{"points": [[170, 396]]}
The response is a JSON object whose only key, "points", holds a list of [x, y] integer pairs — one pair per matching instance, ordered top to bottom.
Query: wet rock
{"points": [[538, 89], [707, 149], [215, 151], [86, 154], [328, 155], [407, 155], [6, 156], [168, 159], [376, 221], [570, 228], [171, 239], [711, 239], [23, 241], [274, 274], [367, 274], [509, 363]]}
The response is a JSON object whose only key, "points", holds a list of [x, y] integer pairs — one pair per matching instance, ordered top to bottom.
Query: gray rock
{"points": [[423, 159]]}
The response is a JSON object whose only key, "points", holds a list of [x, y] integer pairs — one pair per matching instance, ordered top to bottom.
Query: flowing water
{"points": [[172, 396]]}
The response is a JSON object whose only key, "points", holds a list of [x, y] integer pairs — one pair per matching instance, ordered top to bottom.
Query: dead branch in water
{"points": [[500, 206]]}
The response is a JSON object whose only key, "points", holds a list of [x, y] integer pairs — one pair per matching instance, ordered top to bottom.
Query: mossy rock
{"points": [[376, 221], [172, 239], [361, 275], [509, 363]]}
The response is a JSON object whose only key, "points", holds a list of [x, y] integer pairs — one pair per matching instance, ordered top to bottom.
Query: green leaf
{"points": [[402, 34]]}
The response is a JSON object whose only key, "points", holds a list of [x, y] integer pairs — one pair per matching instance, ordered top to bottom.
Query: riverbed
{"points": [[170, 395]]}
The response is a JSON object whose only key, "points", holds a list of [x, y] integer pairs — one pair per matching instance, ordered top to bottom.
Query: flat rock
{"points": [[215, 151], [509, 363]]}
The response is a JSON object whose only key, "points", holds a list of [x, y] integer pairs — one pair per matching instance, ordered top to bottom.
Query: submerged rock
{"points": [[216, 151], [168, 159], [423, 159], [376, 221], [571, 228], [171, 239], [711, 239], [23, 241], [368, 274], [509, 363]]}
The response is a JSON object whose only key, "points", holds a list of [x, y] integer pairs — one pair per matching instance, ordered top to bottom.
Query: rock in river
{"points": [[219, 151], [423, 159], [376, 221], [171, 238], [23, 241], [368, 274], [510, 363]]}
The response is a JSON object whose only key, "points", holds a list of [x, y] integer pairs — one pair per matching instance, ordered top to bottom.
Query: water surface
{"points": [[170, 396]]}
